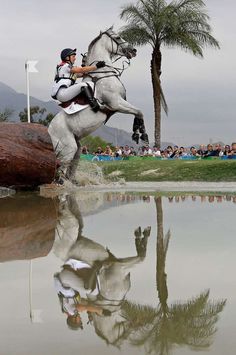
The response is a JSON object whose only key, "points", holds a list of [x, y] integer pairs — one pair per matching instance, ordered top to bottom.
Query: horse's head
{"points": [[118, 46]]}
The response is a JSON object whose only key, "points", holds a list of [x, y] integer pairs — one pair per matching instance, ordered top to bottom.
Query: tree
{"points": [[181, 23], [6, 114], [37, 114], [45, 121], [191, 323]]}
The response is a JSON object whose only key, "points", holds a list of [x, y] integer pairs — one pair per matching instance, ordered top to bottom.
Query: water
{"points": [[166, 285]]}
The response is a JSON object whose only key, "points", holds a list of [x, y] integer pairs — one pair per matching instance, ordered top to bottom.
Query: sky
{"points": [[201, 93]]}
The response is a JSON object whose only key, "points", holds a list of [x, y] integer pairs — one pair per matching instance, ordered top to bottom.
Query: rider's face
{"points": [[72, 58]]}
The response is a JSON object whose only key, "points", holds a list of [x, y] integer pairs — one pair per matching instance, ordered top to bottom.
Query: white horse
{"points": [[66, 130], [107, 279]]}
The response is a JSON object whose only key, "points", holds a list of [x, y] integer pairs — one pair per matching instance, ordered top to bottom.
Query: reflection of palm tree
{"points": [[191, 323]]}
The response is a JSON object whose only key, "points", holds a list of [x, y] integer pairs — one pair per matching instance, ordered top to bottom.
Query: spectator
{"points": [[233, 149], [84, 150], [169, 150], [202, 150], [226, 150], [99, 151], [108, 151], [126, 151], [132, 151], [141, 151], [147, 151], [118, 152], [156, 152], [175, 152], [183, 152], [193, 152], [209, 152], [217, 152], [165, 154]]}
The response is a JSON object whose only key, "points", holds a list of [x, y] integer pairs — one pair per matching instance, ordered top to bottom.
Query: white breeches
{"points": [[66, 94]]}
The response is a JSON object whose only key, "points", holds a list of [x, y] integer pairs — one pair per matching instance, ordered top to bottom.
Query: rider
{"points": [[64, 88]]}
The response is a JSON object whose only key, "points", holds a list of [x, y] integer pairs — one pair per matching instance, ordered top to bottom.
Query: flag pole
{"points": [[30, 68], [27, 88], [30, 290]]}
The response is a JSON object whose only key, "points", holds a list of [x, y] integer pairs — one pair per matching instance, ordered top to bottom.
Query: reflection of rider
{"points": [[66, 74], [75, 277]]}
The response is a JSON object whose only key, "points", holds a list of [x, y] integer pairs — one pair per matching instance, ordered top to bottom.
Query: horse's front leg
{"points": [[124, 106], [72, 168], [141, 240]]}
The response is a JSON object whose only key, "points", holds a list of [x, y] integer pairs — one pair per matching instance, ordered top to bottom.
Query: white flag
{"points": [[30, 66], [36, 316]]}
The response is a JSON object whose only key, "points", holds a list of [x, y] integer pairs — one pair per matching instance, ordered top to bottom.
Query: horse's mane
{"points": [[98, 37]]}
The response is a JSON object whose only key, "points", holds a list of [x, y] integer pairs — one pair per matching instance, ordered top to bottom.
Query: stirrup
{"points": [[94, 105]]}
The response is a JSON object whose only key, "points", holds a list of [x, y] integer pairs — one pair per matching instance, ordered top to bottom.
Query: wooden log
{"points": [[27, 158], [27, 227]]}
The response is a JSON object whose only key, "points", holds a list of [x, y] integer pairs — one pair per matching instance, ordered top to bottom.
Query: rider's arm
{"points": [[83, 70], [89, 308]]}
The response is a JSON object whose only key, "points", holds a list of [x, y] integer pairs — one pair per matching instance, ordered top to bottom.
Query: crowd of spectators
{"points": [[170, 152], [129, 198]]}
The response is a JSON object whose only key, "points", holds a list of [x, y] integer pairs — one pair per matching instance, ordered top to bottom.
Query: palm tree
{"points": [[181, 23], [190, 323]]}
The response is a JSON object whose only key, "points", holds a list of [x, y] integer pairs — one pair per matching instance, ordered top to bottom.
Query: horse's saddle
{"points": [[78, 103]]}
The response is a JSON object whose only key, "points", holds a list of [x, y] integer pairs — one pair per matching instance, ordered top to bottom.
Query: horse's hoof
{"points": [[135, 137], [144, 138], [147, 231], [138, 232]]}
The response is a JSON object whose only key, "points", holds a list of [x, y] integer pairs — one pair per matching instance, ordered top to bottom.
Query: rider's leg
{"points": [[65, 94], [91, 99]]}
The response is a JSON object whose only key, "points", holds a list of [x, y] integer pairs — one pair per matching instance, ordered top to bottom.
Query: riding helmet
{"points": [[67, 52]]}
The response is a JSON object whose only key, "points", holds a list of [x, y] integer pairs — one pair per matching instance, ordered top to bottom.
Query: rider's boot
{"points": [[91, 99]]}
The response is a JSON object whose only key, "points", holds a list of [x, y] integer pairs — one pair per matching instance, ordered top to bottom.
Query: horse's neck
{"points": [[97, 53]]}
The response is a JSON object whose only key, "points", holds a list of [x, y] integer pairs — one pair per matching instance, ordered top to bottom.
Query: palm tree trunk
{"points": [[155, 74], [161, 277]]}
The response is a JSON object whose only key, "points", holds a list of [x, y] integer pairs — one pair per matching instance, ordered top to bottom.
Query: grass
{"points": [[171, 170]]}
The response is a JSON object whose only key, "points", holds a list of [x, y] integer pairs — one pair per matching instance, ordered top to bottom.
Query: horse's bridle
{"points": [[118, 41], [117, 72]]}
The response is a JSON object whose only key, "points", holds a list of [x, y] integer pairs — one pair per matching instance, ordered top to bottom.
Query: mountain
{"points": [[9, 98]]}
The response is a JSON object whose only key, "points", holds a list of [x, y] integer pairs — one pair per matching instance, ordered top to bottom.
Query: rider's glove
{"points": [[101, 64]]}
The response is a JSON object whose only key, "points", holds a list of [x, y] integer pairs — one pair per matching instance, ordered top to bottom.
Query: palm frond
{"points": [[193, 4], [138, 16], [188, 27], [136, 35]]}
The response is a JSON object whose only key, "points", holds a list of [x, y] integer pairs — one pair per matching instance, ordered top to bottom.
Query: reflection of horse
{"points": [[67, 130], [103, 278]]}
